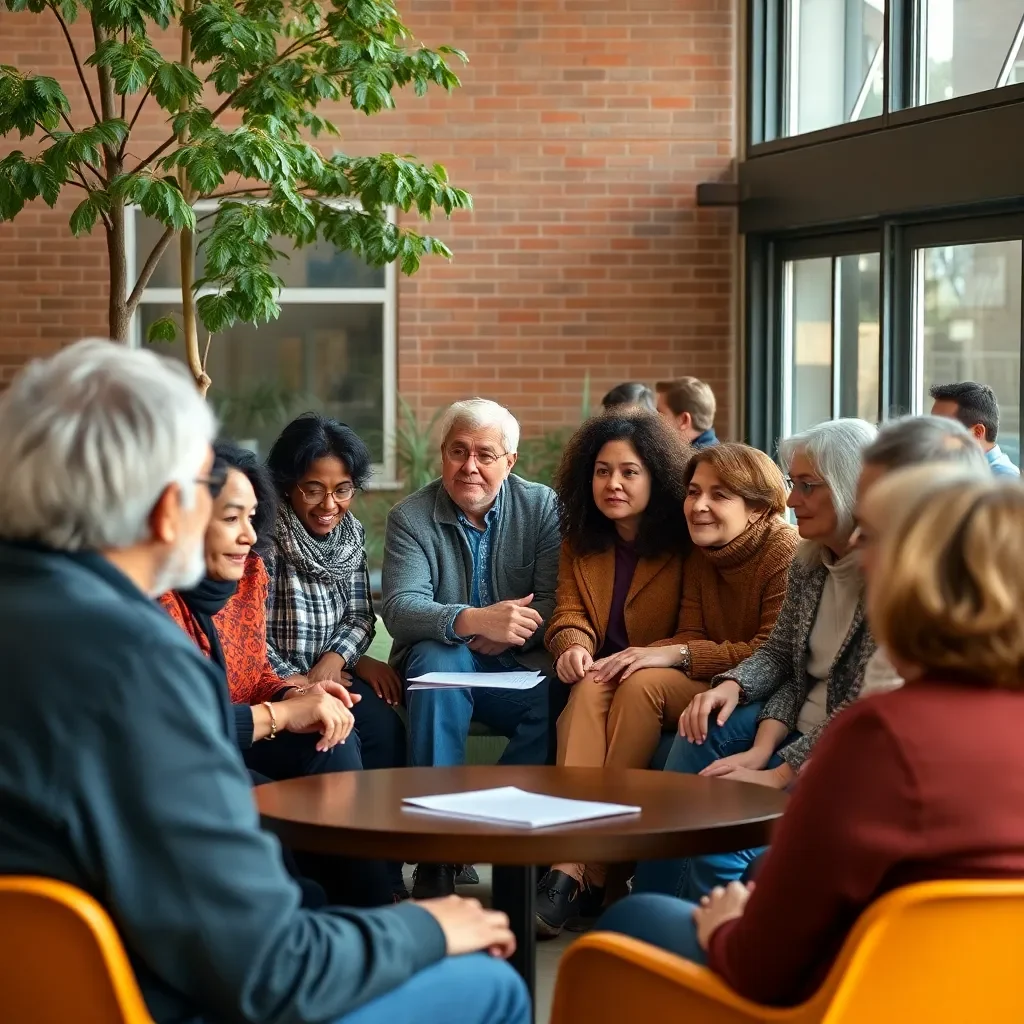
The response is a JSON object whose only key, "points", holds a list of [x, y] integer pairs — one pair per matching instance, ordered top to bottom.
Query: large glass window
{"points": [[967, 46], [834, 64], [968, 312], [830, 339], [331, 350]]}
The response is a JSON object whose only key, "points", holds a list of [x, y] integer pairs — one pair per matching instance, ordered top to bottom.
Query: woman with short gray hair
{"points": [[761, 719]]}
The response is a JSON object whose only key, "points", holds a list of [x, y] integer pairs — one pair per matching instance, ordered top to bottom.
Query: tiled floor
{"points": [[549, 951]]}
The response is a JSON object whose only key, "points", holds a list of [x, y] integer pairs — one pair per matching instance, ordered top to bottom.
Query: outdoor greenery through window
{"points": [[968, 46], [834, 63], [968, 310], [831, 339], [330, 350]]}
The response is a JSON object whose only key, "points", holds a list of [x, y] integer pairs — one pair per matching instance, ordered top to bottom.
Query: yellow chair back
{"points": [[937, 952], [61, 959]]}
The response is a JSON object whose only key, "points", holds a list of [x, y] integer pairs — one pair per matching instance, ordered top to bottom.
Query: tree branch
{"points": [[295, 47], [78, 63], [135, 117], [148, 267]]}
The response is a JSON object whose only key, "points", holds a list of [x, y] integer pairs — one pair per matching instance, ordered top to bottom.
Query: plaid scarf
{"points": [[330, 559]]}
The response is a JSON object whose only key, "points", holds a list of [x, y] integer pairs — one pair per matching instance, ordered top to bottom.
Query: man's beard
{"points": [[185, 567]]}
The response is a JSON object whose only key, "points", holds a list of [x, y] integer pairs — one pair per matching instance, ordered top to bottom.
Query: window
{"points": [[965, 47], [834, 65], [968, 325], [830, 339], [331, 350]]}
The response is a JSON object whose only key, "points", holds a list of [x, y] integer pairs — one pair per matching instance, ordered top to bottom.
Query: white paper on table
{"points": [[515, 680], [510, 805]]}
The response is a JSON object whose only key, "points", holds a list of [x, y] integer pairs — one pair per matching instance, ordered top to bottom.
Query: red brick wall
{"points": [[582, 130]]}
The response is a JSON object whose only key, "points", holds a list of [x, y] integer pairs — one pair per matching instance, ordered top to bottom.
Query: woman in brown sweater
{"points": [[620, 487], [734, 581]]}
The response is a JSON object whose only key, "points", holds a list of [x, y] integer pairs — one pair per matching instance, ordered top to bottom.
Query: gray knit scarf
{"points": [[330, 559]]}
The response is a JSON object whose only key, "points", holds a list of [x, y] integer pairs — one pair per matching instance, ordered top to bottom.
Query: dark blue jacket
{"points": [[119, 774]]}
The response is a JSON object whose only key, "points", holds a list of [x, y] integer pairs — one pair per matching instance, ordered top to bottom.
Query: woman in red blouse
{"points": [[311, 727], [929, 777]]}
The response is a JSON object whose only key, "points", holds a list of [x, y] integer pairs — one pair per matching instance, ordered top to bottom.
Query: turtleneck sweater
{"points": [[732, 595]]}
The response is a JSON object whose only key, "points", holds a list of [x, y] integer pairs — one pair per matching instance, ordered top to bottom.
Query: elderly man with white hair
{"points": [[470, 570], [119, 773]]}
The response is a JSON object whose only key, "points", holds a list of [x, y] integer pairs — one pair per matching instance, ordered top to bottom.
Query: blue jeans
{"points": [[439, 719], [689, 878], [657, 919], [469, 989]]}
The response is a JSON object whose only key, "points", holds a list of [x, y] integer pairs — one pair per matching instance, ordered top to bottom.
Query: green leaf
{"points": [[131, 62], [172, 83], [29, 102], [158, 197], [85, 215], [217, 312], [165, 329]]}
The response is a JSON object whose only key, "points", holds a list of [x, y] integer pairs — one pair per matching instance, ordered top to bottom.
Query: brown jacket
{"points": [[732, 596], [584, 597]]}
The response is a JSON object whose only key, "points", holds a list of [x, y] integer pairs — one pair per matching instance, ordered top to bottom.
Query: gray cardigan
{"points": [[428, 565], [776, 672]]}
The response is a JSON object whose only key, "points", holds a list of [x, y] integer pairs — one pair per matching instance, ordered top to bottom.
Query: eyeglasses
{"points": [[459, 454], [214, 480], [804, 487], [313, 494]]}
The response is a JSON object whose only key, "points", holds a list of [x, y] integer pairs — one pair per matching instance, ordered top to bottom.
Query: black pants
{"points": [[382, 738], [345, 880]]}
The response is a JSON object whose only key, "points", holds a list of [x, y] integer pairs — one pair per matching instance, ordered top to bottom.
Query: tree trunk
{"points": [[186, 244], [117, 259]]}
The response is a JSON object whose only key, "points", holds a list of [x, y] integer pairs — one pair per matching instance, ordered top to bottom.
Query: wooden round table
{"points": [[360, 814]]}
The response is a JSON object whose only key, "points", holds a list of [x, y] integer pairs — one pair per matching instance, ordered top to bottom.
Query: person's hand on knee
{"points": [[573, 664], [469, 928]]}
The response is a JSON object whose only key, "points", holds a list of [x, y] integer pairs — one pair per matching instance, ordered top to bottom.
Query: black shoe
{"points": [[467, 875], [430, 881], [557, 900]]}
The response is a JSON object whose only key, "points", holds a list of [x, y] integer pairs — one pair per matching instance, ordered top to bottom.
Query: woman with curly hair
{"points": [[621, 487]]}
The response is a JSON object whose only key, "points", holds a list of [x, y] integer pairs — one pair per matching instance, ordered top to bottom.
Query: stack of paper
{"points": [[521, 680], [511, 806]]}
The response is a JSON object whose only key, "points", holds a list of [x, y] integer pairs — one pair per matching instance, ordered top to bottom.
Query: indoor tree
{"points": [[239, 84]]}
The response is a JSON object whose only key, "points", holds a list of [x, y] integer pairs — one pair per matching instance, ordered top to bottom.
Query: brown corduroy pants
{"points": [[618, 725]]}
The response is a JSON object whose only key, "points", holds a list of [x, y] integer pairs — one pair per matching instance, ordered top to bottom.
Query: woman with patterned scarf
{"points": [[320, 618]]}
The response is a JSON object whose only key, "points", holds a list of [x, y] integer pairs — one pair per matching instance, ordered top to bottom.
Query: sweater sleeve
{"points": [[545, 573], [569, 623], [708, 659], [810, 891], [210, 906]]}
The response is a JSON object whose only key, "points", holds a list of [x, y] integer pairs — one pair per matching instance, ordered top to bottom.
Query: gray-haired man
{"points": [[470, 569]]}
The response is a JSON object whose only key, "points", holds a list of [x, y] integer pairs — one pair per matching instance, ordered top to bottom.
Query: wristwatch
{"points": [[684, 658]]}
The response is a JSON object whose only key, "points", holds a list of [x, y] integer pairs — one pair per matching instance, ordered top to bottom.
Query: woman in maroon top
{"points": [[923, 796]]}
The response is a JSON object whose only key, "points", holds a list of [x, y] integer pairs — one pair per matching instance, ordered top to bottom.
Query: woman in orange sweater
{"points": [[620, 487], [734, 582], [225, 615]]}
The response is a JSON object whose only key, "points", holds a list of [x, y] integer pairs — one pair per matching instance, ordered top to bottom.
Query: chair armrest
{"points": [[607, 979]]}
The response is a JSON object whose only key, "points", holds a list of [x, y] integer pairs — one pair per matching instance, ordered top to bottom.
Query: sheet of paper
{"points": [[516, 680], [509, 805]]}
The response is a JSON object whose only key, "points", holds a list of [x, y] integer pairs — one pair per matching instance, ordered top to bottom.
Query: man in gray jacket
{"points": [[470, 569], [119, 773]]}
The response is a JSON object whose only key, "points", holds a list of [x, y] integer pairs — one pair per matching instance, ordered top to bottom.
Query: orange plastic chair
{"points": [[935, 952], [61, 960]]}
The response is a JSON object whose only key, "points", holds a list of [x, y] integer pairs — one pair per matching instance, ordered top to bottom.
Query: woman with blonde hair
{"points": [[929, 774]]}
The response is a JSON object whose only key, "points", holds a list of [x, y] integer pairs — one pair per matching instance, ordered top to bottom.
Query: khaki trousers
{"points": [[618, 725]]}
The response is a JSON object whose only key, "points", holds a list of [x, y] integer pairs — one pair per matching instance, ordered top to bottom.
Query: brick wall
{"points": [[582, 130]]}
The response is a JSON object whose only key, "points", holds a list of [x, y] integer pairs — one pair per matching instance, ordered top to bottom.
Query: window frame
{"points": [[385, 474]]}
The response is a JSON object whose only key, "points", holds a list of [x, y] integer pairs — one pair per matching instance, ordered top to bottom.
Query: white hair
{"points": [[479, 413], [91, 438], [835, 448]]}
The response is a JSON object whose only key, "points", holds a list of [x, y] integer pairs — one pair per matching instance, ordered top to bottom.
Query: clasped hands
{"points": [[576, 662]]}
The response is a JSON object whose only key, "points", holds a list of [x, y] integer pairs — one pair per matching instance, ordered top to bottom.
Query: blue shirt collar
{"points": [[489, 519]]}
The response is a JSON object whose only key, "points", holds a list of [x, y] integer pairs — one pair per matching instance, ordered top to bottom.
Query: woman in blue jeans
{"points": [[760, 720]]}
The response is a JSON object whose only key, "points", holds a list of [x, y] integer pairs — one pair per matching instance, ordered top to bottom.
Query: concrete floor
{"points": [[549, 951]]}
